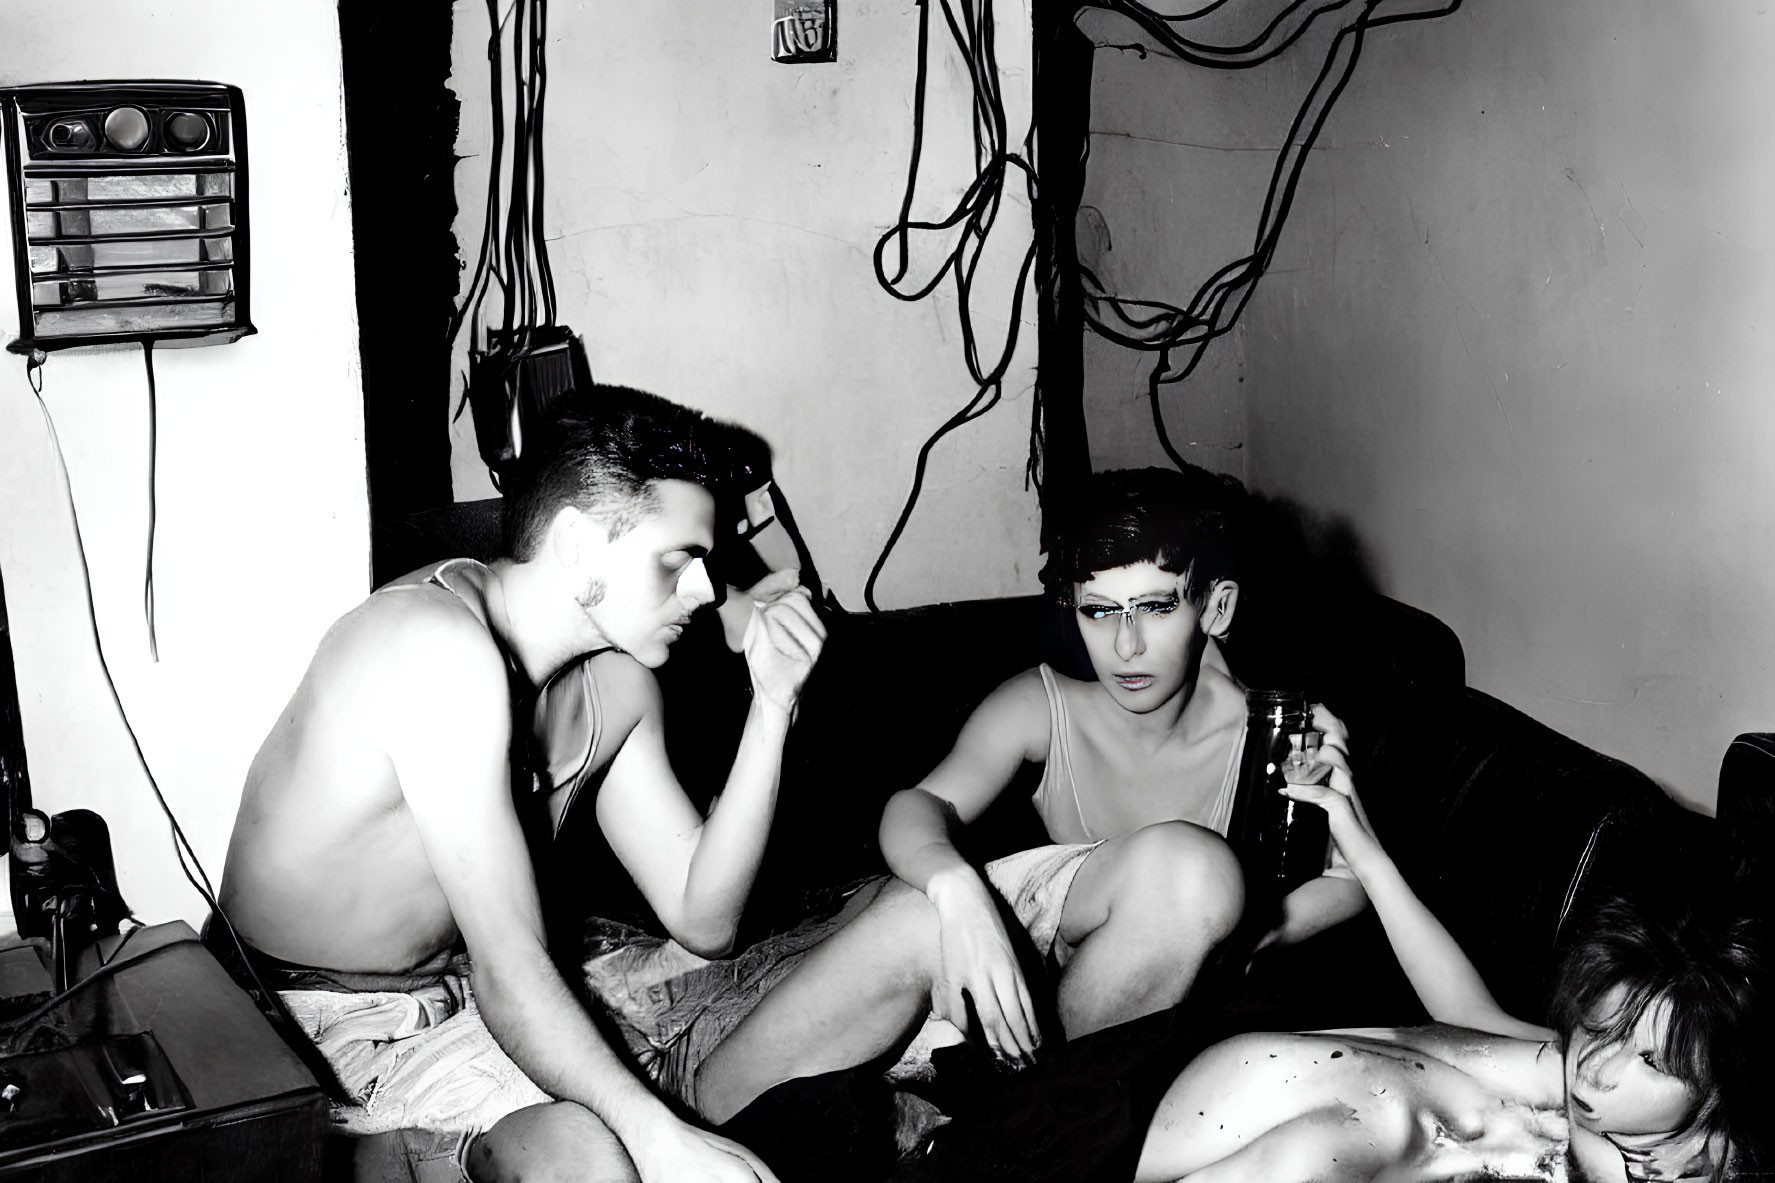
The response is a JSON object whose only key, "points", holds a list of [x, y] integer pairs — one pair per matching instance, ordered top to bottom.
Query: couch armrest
{"points": [[1746, 809]]}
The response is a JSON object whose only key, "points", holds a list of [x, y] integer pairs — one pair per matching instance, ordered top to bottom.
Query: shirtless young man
{"points": [[1136, 792], [378, 833], [1643, 1075]]}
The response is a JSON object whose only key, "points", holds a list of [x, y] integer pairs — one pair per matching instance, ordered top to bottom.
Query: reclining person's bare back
{"points": [[1422, 1103]]}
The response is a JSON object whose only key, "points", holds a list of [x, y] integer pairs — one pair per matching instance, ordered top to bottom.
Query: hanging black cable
{"points": [[539, 72], [970, 222], [514, 250], [517, 256], [471, 300], [1148, 325], [1161, 328], [153, 498], [182, 848]]}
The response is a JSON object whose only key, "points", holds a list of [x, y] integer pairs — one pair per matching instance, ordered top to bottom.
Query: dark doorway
{"points": [[401, 120]]}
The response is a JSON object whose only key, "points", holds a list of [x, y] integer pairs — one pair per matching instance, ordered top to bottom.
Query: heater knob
{"points": [[126, 128], [188, 132], [72, 134], [34, 827]]}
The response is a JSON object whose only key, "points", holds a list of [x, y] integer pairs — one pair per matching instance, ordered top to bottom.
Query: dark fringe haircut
{"points": [[603, 448], [1185, 522], [1707, 966]]}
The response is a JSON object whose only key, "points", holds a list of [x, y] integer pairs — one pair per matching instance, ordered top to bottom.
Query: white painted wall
{"points": [[711, 217], [1519, 337], [263, 519]]}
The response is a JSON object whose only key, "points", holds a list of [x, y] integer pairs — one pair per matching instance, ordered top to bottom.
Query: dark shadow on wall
{"points": [[401, 120], [1301, 573]]}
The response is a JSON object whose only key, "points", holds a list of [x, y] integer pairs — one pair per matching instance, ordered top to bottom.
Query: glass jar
{"points": [[1282, 842]]}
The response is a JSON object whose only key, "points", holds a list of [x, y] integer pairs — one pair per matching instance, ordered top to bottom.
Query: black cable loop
{"points": [[970, 221], [514, 250], [470, 308], [1155, 326]]}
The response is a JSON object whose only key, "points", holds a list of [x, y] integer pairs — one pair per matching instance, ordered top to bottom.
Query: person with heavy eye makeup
{"points": [[1140, 759]]}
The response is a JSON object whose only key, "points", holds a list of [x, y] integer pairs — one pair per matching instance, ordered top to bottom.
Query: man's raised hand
{"points": [[782, 641]]}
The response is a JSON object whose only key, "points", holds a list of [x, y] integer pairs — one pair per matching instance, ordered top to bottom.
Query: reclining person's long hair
{"points": [[1704, 964]]}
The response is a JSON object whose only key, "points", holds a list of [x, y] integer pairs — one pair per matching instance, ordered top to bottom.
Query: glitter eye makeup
{"points": [[1161, 607]]}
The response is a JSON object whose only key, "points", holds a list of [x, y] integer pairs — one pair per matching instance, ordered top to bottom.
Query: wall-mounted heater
{"points": [[129, 213]]}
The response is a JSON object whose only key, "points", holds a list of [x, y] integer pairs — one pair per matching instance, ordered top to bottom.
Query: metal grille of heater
{"points": [[129, 213]]}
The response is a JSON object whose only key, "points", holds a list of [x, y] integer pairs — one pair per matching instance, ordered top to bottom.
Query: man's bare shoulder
{"points": [[404, 621], [416, 649], [628, 692]]}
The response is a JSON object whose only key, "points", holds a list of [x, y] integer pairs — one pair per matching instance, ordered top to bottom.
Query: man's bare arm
{"points": [[446, 725], [697, 872]]}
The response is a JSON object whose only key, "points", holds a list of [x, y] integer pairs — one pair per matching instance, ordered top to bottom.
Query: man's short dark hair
{"points": [[603, 448], [1182, 521]]}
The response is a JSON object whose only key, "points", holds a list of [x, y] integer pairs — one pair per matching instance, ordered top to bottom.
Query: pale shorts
{"points": [[1035, 883], [672, 1008], [414, 1060]]}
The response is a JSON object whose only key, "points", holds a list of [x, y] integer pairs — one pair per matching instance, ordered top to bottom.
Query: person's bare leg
{"points": [[1144, 913], [859, 992], [545, 1143]]}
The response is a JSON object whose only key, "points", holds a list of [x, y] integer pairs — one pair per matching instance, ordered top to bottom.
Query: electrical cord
{"points": [[967, 226], [518, 266], [1147, 325], [1161, 328], [153, 498], [193, 870], [115, 953], [12, 1029]]}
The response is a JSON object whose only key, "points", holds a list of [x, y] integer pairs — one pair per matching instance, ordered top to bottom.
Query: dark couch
{"points": [[1502, 824]]}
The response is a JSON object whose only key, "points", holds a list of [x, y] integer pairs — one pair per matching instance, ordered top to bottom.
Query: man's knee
{"points": [[1189, 872], [550, 1144]]}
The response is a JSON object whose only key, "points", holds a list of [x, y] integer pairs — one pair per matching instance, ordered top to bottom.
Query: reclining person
{"points": [[1137, 787], [380, 830], [1647, 1072]]}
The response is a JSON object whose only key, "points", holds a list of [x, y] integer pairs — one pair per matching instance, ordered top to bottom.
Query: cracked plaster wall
{"points": [[711, 216], [1518, 335]]}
